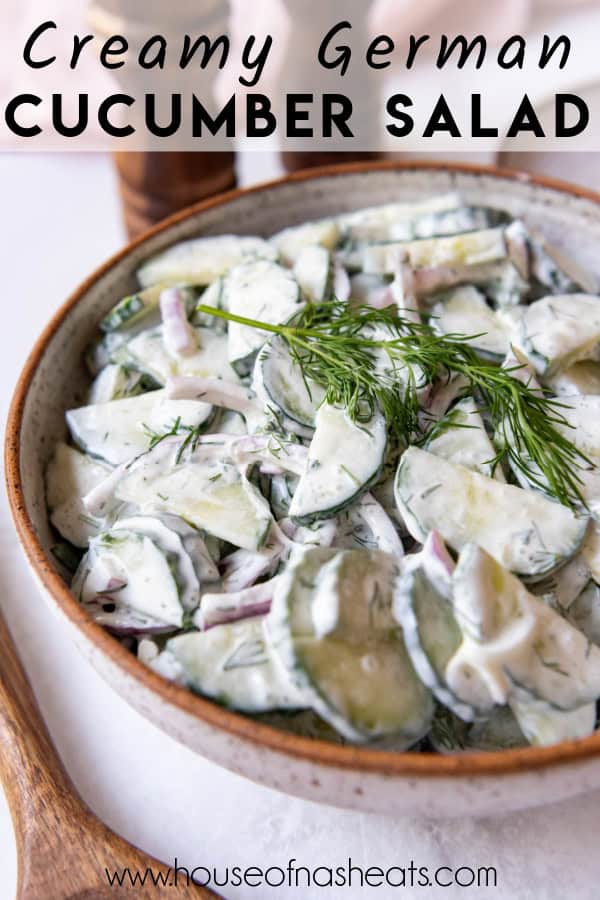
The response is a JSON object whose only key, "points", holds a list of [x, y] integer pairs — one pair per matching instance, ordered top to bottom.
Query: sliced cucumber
{"points": [[451, 221], [376, 223], [290, 243], [470, 249], [202, 260], [314, 273], [553, 273], [263, 291], [143, 307], [464, 310], [556, 332], [147, 352], [580, 378], [115, 382], [285, 385], [119, 430], [461, 438], [344, 459], [69, 477], [206, 489], [365, 524], [529, 534], [171, 544], [196, 545], [130, 567], [584, 612], [331, 627], [431, 632], [513, 640], [232, 664], [543, 725], [498, 731]]}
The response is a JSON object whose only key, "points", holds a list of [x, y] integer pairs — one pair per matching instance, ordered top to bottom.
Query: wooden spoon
{"points": [[63, 849]]}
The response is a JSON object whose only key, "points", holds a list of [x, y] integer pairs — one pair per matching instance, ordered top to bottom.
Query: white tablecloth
{"points": [[61, 219]]}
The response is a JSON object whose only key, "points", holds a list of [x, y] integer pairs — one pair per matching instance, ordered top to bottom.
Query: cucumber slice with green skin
{"points": [[451, 221], [375, 223], [290, 242], [470, 249], [202, 260], [314, 273], [553, 273], [500, 281], [263, 291], [213, 297], [143, 306], [464, 310], [556, 332], [147, 353], [580, 378], [115, 383], [285, 386], [118, 431], [463, 440], [344, 459], [69, 477], [206, 489], [366, 525], [529, 534], [172, 546], [195, 546], [131, 567], [561, 589], [584, 612], [332, 629], [431, 633], [512, 640], [233, 665], [543, 725], [499, 731]]}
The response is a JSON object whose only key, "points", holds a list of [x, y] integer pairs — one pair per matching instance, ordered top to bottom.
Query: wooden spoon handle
{"points": [[31, 772]]}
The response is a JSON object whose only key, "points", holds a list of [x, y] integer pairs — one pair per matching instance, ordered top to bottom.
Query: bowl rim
{"points": [[308, 750]]}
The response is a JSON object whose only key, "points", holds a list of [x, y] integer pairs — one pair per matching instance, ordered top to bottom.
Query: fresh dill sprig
{"points": [[368, 359], [191, 437]]}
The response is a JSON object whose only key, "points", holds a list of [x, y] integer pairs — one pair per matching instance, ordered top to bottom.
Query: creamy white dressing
{"points": [[237, 491]]}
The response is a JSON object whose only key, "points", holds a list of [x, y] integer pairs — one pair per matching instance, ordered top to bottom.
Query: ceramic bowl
{"points": [[54, 380]]}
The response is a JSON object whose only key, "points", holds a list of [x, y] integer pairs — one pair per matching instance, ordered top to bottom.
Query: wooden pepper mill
{"points": [[311, 22], [153, 184]]}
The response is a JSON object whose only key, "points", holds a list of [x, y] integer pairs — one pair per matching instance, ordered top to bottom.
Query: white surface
{"points": [[61, 219]]}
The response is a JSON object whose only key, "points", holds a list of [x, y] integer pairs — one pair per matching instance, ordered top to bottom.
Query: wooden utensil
{"points": [[63, 849]]}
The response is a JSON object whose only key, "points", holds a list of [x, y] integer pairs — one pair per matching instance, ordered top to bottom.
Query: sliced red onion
{"points": [[517, 242], [342, 287], [403, 290], [179, 337], [224, 394], [442, 395], [290, 457], [101, 499], [438, 563], [219, 609], [122, 620]]}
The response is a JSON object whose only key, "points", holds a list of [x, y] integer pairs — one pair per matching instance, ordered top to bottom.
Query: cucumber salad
{"points": [[345, 479]]}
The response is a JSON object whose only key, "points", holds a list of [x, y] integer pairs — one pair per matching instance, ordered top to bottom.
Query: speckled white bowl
{"points": [[54, 379]]}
